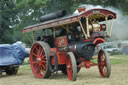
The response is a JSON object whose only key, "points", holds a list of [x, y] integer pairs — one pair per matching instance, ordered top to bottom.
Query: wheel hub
{"points": [[38, 59], [68, 66]]}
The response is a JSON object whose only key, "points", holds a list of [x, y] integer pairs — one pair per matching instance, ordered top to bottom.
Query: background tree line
{"points": [[16, 14]]}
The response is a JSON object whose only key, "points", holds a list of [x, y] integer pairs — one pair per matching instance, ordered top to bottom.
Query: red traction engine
{"points": [[68, 43]]}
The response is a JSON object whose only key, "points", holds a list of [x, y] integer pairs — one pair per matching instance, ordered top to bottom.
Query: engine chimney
{"points": [[81, 8]]}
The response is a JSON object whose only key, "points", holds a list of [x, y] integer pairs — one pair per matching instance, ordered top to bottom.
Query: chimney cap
{"points": [[81, 8]]}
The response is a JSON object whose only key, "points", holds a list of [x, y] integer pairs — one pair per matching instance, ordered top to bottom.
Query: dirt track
{"points": [[119, 76]]}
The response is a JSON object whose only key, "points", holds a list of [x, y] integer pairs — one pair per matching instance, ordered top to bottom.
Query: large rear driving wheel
{"points": [[39, 59], [104, 64], [71, 66]]}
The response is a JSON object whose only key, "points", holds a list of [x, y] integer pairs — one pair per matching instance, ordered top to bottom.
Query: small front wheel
{"points": [[104, 64], [71, 66]]}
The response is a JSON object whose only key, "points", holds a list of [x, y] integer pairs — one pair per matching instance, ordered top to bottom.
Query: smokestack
{"points": [[54, 15]]}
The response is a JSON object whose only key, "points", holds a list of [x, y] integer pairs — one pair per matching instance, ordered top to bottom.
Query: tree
{"points": [[17, 14], [28, 14], [7, 20]]}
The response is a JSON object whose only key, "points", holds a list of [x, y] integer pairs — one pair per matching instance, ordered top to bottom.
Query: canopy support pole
{"points": [[106, 20], [87, 27], [111, 28], [83, 29], [54, 33], [33, 34], [28, 38]]}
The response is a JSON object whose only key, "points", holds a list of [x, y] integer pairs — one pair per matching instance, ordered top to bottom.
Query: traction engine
{"points": [[69, 43]]}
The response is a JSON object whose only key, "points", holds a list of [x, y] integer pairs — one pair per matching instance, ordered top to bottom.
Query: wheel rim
{"points": [[38, 60], [103, 64]]}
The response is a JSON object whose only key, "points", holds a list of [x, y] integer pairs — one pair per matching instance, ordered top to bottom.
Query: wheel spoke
{"points": [[36, 49], [40, 50], [42, 53], [34, 54], [43, 58], [103, 58], [34, 62], [44, 62], [103, 63], [44, 66], [101, 67], [37, 69], [42, 70], [104, 70], [69, 73]]}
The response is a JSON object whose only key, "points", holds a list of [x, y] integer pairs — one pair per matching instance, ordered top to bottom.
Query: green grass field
{"points": [[114, 59], [117, 59]]}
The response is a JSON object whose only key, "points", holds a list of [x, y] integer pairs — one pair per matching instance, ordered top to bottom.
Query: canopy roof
{"points": [[98, 14]]}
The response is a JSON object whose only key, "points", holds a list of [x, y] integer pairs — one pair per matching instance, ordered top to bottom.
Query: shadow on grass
{"points": [[4, 75], [58, 76]]}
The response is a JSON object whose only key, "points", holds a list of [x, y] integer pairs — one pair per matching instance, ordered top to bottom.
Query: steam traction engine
{"points": [[68, 43]]}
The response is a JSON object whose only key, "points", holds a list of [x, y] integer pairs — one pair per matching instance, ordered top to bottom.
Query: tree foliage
{"points": [[29, 13], [17, 14], [7, 20]]}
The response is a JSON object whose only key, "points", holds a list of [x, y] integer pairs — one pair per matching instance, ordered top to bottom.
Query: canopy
{"points": [[99, 14]]}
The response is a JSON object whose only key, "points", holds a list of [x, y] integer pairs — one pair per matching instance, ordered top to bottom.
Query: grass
{"points": [[116, 59], [119, 59], [119, 75]]}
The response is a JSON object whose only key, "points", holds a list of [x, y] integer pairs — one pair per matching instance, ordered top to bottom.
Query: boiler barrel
{"points": [[53, 16], [85, 50]]}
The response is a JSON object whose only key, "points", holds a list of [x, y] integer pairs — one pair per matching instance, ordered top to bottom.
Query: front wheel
{"points": [[104, 64], [71, 66]]}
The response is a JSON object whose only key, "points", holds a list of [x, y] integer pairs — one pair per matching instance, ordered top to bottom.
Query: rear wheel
{"points": [[39, 59], [104, 64], [71, 66]]}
